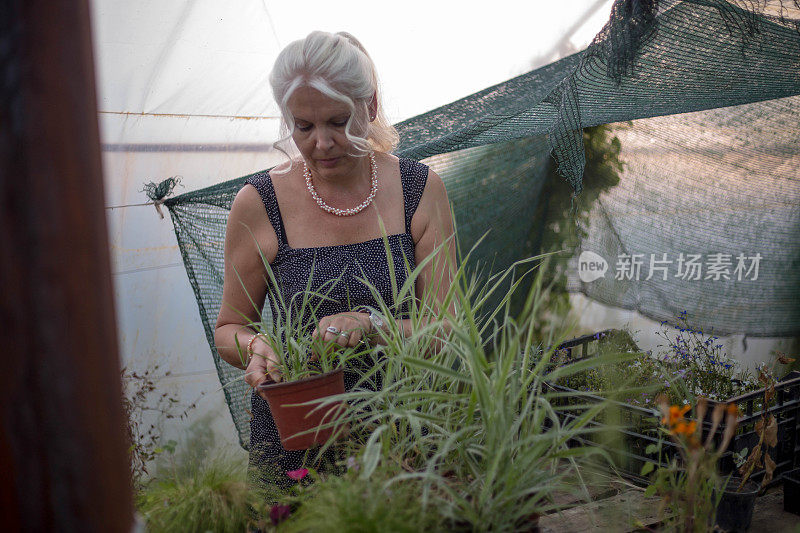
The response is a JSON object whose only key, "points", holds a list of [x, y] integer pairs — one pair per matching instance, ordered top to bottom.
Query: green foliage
{"points": [[562, 219], [289, 333], [688, 366], [461, 411], [209, 495], [374, 504]]}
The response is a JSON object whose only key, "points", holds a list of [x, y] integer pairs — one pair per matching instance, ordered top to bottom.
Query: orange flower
{"points": [[676, 413], [679, 426], [685, 428]]}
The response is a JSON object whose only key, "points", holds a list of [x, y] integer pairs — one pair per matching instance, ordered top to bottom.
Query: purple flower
{"points": [[298, 474], [279, 512]]}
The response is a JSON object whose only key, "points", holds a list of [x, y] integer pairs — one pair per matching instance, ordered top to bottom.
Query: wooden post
{"points": [[63, 460]]}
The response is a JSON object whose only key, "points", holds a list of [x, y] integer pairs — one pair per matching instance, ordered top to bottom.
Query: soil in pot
{"points": [[292, 419], [735, 510]]}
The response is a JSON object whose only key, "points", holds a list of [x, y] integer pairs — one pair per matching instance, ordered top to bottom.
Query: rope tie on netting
{"points": [[158, 192]]}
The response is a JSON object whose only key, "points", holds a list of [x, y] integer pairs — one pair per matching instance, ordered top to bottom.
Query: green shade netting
{"points": [[708, 165]]}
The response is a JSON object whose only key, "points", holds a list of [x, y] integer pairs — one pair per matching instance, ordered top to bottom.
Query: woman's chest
{"points": [[307, 225], [350, 275]]}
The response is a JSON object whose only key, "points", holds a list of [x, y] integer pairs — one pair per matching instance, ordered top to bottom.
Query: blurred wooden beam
{"points": [[63, 454]]}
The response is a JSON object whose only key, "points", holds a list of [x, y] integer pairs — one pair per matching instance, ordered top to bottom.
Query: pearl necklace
{"points": [[335, 210]]}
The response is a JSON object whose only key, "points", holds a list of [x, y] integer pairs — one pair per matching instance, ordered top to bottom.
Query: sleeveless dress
{"points": [[347, 263]]}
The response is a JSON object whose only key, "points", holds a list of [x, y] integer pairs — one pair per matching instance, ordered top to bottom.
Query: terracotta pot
{"points": [[293, 419]]}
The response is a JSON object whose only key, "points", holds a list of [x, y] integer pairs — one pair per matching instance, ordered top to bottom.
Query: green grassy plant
{"points": [[289, 333], [461, 408], [455, 414], [212, 495], [352, 503]]}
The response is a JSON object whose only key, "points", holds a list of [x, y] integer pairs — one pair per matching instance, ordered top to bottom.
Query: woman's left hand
{"points": [[345, 329]]}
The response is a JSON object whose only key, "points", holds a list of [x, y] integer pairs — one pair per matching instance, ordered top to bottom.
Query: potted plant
{"points": [[312, 371], [312, 374], [688, 482], [736, 506]]}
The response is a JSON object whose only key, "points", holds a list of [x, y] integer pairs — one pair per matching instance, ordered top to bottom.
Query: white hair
{"points": [[338, 66]]}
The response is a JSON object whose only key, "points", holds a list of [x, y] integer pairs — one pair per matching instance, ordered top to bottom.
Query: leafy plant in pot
{"points": [[303, 403], [688, 483], [735, 509]]}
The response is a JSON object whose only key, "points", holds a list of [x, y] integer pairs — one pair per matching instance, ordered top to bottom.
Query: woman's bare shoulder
{"points": [[434, 195], [247, 204], [434, 206], [248, 220]]}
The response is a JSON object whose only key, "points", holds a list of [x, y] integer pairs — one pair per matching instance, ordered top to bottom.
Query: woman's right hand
{"points": [[263, 366]]}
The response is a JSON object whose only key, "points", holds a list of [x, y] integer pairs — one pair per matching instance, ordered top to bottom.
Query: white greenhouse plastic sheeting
{"points": [[182, 91]]}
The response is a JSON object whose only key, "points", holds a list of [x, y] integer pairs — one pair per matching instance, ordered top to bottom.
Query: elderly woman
{"points": [[323, 211]]}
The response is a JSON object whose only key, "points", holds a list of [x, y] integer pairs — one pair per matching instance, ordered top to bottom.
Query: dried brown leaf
{"points": [[785, 359], [771, 432], [753, 461], [769, 468]]}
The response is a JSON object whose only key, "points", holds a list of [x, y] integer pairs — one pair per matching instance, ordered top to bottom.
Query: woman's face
{"points": [[319, 124]]}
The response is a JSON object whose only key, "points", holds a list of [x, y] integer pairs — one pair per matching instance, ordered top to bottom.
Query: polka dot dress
{"points": [[349, 264]]}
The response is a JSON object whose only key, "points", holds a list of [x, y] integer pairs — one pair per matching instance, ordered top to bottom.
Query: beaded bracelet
{"points": [[249, 349]]}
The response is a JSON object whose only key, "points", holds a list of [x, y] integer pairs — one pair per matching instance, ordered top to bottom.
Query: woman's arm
{"points": [[432, 230], [245, 286]]}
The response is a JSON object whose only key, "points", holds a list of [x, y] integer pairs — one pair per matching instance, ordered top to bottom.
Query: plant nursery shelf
{"points": [[641, 423]]}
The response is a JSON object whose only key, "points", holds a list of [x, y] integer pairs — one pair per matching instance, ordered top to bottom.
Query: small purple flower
{"points": [[352, 463], [298, 474], [279, 512]]}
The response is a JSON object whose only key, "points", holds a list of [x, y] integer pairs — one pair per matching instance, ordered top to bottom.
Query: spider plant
{"points": [[288, 332], [461, 407]]}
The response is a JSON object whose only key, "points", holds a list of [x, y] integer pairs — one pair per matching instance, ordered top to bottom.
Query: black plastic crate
{"points": [[640, 424], [791, 491]]}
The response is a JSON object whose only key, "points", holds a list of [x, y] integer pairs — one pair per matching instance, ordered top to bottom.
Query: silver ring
{"points": [[332, 329], [344, 334]]}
